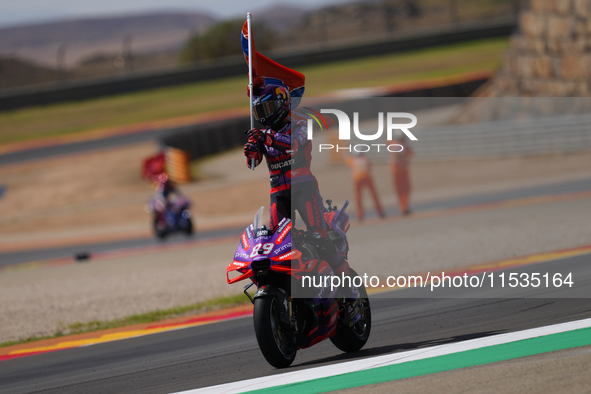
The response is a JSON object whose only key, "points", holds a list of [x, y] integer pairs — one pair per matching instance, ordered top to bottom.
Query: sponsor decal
{"points": [[268, 139], [278, 158], [283, 164], [282, 224], [249, 232], [261, 233], [283, 234], [245, 243], [282, 248], [241, 255], [286, 256], [239, 264], [260, 292]]}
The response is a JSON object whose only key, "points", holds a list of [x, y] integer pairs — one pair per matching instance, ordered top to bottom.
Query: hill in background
{"points": [[84, 38], [115, 46], [16, 72]]}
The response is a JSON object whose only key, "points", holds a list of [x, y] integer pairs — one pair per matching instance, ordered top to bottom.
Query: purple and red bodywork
{"points": [[259, 245], [276, 245], [274, 250]]}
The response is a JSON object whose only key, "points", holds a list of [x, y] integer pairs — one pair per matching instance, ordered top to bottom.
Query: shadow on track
{"points": [[382, 350]]}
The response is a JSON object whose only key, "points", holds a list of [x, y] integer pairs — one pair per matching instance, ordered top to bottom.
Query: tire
{"points": [[189, 227], [160, 233], [352, 339], [277, 345]]}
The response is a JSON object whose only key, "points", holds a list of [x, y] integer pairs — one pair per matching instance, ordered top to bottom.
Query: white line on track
{"points": [[389, 359]]}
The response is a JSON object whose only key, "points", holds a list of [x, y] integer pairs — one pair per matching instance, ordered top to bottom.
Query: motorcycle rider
{"points": [[287, 150], [162, 202]]}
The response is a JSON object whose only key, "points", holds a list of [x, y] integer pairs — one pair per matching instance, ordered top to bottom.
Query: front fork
{"points": [[248, 286]]}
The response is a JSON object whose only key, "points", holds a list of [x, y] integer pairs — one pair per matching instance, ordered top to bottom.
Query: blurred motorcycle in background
{"points": [[170, 216]]}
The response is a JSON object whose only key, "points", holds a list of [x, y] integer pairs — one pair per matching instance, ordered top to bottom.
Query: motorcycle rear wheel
{"points": [[189, 228], [352, 339], [277, 344]]}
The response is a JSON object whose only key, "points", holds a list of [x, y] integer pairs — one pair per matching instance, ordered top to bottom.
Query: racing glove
{"points": [[256, 136], [281, 142], [251, 151]]}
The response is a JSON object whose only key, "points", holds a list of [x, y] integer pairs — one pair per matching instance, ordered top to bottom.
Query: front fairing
{"points": [[260, 245]]}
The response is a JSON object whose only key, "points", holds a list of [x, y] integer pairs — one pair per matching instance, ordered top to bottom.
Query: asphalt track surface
{"points": [[68, 251], [226, 352]]}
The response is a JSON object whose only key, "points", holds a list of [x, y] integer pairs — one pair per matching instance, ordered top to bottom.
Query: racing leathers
{"points": [[293, 187], [161, 197]]}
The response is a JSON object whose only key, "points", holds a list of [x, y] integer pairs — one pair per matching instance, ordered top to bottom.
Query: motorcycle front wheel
{"points": [[188, 223], [159, 230], [277, 343]]}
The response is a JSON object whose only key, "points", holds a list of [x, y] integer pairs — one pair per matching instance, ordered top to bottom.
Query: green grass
{"points": [[229, 93], [159, 315]]}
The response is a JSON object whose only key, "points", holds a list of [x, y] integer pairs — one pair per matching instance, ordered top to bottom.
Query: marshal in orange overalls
{"points": [[399, 163], [360, 166]]}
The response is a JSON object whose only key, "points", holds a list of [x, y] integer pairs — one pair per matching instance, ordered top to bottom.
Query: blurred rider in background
{"points": [[162, 198]]}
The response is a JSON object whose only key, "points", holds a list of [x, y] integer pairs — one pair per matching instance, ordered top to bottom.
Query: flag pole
{"points": [[250, 59]]}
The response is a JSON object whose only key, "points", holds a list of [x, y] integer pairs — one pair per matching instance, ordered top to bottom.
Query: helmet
{"points": [[271, 105], [162, 178], [163, 183]]}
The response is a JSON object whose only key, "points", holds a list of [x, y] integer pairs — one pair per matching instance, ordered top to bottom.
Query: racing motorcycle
{"points": [[170, 217], [288, 315]]}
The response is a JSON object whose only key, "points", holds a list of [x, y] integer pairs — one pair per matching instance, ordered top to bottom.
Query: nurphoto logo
{"points": [[392, 130]]}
